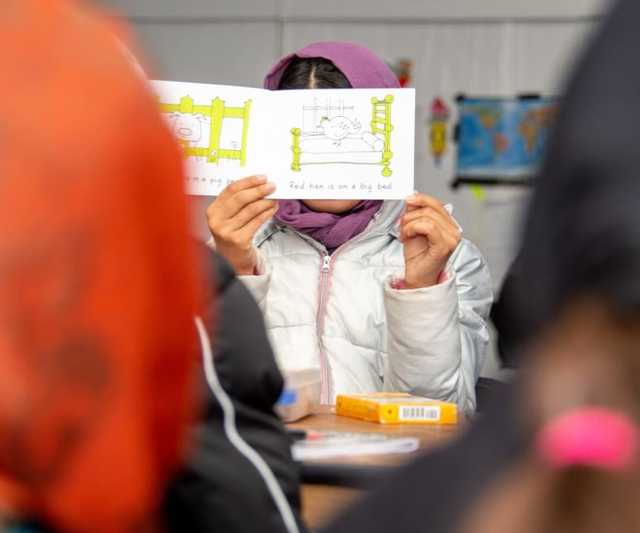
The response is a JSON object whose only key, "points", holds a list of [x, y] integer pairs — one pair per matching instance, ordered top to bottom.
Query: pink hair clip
{"points": [[589, 436]]}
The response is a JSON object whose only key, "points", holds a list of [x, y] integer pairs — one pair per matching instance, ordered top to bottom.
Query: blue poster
{"points": [[502, 137]]}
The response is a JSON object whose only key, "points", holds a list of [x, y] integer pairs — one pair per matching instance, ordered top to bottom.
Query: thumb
{"points": [[408, 207]]}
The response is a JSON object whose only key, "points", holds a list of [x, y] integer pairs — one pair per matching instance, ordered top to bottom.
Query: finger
{"points": [[241, 184], [247, 196], [423, 200], [230, 206], [218, 209], [251, 211], [446, 223], [425, 227], [249, 230], [450, 233], [442, 242]]}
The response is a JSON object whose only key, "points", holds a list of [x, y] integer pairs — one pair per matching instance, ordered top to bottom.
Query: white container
{"points": [[301, 394]]}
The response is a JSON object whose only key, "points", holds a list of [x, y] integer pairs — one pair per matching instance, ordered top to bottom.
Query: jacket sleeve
{"points": [[258, 284], [437, 336]]}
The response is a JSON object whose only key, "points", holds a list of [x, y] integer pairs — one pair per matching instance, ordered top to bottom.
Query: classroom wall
{"points": [[364, 9], [493, 47]]}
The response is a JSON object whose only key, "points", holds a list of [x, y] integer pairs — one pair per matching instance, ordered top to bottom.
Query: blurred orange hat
{"points": [[97, 283]]}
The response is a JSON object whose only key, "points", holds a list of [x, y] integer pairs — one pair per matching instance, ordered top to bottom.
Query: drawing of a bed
{"points": [[204, 131], [332, 134]]}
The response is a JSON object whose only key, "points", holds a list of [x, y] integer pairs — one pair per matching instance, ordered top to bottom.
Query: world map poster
{"points": [[502, 137]]}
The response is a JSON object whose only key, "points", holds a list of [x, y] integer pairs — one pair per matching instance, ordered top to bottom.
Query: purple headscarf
{"points": [[361, 66], [364, 70]]}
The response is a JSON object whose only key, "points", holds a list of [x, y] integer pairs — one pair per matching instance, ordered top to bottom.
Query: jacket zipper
{"points": [[323, 297], [326, 377], [327, 388]]}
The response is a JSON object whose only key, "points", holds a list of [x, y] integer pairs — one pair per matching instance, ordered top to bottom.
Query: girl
{"points": [[379, 295]]}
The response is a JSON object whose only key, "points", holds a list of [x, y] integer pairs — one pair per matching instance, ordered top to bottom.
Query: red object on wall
{"points": [[403, 70], [439, 110], [438, 120]]}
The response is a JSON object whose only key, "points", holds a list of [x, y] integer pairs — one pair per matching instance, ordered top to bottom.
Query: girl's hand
{"points": [[236, 215], [430, 235]]}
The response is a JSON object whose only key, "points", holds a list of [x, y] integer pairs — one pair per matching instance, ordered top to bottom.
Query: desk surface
{"points": [[320, 503]]}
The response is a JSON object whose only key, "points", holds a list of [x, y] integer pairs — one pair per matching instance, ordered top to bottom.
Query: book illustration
{"points": [[337, 128], [207, 132], [332, 133]]}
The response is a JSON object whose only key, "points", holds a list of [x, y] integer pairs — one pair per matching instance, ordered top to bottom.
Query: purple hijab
{"points": [[364, 70]]}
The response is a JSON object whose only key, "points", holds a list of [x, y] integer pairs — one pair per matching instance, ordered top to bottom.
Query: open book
{"points": [[324, 144]]}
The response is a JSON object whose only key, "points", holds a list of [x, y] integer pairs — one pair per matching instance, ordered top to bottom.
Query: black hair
{"points": [[313, 73]]}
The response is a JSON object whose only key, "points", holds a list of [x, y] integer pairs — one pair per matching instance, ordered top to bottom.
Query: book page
{"points": [[218, 128], [342, 143], [324, 144]]}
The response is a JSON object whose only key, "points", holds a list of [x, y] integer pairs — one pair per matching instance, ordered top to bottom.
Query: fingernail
{"points": [[262, 179], [271, 186]]}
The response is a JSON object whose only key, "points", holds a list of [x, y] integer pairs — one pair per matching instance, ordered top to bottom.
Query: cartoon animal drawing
{"points": [[187, 127], [337, 128]]}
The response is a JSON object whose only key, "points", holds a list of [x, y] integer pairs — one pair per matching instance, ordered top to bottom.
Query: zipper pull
{"points": [[326, 261]]}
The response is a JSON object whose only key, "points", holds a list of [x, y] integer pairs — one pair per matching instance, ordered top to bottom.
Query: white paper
{"points": [[321, 144], [338, 443]]}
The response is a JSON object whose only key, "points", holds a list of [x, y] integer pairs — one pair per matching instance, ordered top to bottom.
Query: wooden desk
{"points": [[320, 503]]}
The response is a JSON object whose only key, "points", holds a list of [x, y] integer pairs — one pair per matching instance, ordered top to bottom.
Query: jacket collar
{"points": [[389, 218], [266, 231]]}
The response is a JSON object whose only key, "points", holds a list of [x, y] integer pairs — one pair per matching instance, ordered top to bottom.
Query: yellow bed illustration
{"points": [[339, 139]]}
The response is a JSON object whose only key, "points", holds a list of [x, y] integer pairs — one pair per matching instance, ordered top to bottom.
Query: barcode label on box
{"points": [[419, 412]]}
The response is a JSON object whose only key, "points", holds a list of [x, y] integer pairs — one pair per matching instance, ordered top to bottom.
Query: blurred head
{"points": [[331, 65], [580, 281], [95, 317], [587, 359]]}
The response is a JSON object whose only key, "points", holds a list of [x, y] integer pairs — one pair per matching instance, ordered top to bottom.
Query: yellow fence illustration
{"points": [[216, 112], [381, 123], [295, 148]]}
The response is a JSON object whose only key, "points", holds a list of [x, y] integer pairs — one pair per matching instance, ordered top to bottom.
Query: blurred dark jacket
{"points": [[511, 318], [220, 490]]}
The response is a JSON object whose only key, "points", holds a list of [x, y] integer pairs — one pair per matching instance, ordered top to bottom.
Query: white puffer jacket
{"points": [[339, 313]]}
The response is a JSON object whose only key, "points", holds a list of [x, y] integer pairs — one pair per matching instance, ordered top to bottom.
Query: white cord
{"points": [[234, 437]]}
